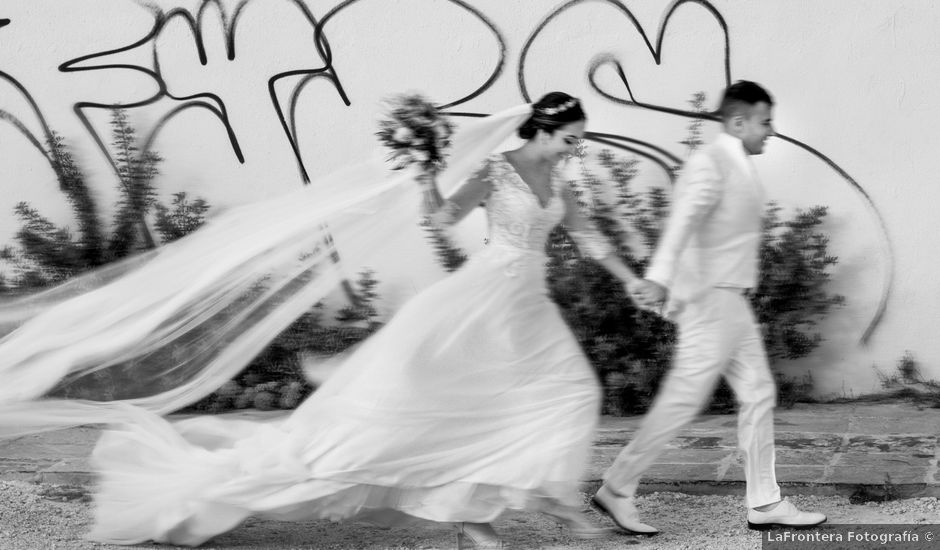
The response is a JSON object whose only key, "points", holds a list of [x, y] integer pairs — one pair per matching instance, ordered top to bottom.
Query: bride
{"points": [[475, 398]]}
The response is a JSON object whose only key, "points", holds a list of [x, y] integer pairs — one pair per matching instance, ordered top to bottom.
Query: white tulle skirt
{"points": [[475, 398]]}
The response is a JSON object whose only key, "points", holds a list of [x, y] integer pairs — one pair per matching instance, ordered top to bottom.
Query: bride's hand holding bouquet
{"points": [[417, 134]]}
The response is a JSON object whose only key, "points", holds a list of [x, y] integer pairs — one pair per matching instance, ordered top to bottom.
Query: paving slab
{"points": [[877, 450]]}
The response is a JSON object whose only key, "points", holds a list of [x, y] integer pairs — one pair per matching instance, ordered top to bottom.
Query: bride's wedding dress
{"points": [[475, 398]]}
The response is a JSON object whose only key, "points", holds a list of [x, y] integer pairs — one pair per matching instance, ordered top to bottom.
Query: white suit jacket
{"points": [[712, 236]]}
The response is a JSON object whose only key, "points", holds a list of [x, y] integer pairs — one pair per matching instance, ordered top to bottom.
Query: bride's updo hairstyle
{"points": [[551, 112]]}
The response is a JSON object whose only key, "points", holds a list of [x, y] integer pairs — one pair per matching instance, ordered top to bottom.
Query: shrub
{"points": [[136, 171], [185, 217], [47, 254], [449, 256], [791, 296], [790, 299], [632, 349], [275, 378], [907, 382]]}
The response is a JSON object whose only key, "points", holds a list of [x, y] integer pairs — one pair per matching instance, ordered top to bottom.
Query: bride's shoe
{"points": [[577, 523], [479, 536]]}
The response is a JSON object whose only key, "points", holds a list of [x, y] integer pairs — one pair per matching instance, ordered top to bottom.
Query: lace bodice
{"points": [[515, 216], [519, 224]]}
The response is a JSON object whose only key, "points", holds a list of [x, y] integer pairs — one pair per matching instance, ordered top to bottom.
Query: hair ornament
{"points": [[552, 111]]}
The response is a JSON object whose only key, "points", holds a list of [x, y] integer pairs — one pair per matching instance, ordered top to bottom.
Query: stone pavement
{"points": [[870, 451]]}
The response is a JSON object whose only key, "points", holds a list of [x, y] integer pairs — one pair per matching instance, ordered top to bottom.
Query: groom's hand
{"points": [[647, 294]]}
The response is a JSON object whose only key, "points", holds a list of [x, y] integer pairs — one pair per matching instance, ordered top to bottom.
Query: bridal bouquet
{"points": [[415, 132]]}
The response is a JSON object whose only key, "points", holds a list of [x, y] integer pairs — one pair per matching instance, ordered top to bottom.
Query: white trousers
{"points": [[718, 336]]}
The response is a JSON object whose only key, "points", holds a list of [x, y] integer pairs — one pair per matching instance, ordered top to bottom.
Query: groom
{"points": [[703, 269]]}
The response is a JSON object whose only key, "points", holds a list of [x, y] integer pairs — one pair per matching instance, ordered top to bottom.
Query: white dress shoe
{"points": [[622, 510], [784, 514]]}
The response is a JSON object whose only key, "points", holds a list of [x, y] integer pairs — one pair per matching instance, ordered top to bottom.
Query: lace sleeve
{"points": [[467, 197], [589, 239]]}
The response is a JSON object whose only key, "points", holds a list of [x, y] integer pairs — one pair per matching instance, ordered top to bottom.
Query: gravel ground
{"points": [[34, 517]]}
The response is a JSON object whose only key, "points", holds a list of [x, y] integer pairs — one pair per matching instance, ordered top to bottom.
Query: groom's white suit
{"points": [[707, 258], [706, 262]]}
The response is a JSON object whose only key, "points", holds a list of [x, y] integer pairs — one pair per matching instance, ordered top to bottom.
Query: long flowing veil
{"points": [[164, 329]]}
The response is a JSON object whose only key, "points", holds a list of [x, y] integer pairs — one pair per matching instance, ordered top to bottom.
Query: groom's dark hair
{"points": [[743, 94]]}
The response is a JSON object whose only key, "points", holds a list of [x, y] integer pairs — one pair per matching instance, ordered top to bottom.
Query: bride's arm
{"points": [[446, 212], [591, 241]]}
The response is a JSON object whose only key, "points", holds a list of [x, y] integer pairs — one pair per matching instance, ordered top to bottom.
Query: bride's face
{"points": [[563, 141]]}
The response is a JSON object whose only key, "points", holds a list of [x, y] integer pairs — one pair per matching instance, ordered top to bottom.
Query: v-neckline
{"points": [[528, 187]]}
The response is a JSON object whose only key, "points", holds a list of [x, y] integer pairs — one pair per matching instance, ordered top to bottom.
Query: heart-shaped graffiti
{"points": [[656, 51], [659, 154]]}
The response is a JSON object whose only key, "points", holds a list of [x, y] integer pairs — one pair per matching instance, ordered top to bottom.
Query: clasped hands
{"points": [[646, 294]]}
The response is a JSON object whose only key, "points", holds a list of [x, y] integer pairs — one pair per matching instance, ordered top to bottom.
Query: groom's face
{"points": [[755, 127]]}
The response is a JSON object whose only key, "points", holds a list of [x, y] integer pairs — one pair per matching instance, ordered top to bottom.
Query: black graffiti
{"points": [[322, 45], [655, 51], [324, 68], [208, 101], [212, 102], [288, 122], [18, 124], [659, 155], [889, 249]]}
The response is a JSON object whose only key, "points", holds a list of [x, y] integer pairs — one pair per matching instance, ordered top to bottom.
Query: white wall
{"points": [[853, 80]]}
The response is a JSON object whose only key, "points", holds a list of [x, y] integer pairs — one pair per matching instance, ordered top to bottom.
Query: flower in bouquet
{"points": [[415, 133]]}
